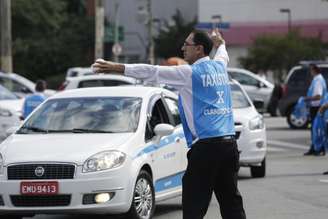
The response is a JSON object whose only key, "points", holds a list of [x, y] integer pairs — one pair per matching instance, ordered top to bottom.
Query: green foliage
{"points": [[50, 36], [169, 41], [280, 53]]}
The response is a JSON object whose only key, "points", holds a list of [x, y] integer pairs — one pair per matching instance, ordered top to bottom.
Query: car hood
{"points": [[12, 105], [242, 115], [74, 148]]}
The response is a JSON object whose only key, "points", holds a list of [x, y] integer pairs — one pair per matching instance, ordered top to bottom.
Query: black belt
{"points": [[220, 138]]}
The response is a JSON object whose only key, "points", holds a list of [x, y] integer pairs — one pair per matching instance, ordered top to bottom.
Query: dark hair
{"points": [[202, 38], [315, 67], [40, 85]]}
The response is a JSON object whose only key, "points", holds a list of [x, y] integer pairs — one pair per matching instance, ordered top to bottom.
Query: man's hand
{"points": [[217, 38], [102, 66]]}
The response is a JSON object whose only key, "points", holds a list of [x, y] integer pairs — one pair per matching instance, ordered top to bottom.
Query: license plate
{"points": [[39, 188]]}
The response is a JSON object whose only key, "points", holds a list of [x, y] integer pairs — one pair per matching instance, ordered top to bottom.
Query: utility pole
{"points": [[116, 25], [5, 36], [99, 37], [151, 55]]}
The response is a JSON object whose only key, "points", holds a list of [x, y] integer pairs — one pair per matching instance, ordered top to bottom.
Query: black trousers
{"points": [[313, 113], [212, 166]]}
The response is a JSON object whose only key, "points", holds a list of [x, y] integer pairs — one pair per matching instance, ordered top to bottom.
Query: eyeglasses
{"points": [[188, 44]]}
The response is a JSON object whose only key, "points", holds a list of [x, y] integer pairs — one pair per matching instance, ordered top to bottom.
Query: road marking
{"points": [[287, 144], [275, 149], [323, 180]]}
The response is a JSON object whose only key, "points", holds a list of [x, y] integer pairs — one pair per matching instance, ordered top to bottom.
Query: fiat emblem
{"points": [[39, 171]]}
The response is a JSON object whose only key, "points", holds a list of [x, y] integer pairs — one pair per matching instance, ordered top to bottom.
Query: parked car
{"points": [[78, 71], [102, 80], [19, 85], [296, 85], [256, 87], [10, 111], [110, 150]]}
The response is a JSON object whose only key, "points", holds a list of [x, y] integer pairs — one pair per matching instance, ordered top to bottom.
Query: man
{"points": [[315, 92], [34, 100], [206, 115]]}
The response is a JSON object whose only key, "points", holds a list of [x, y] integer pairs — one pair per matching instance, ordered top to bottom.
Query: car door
{"points": [[180, 141], [165, 155]]}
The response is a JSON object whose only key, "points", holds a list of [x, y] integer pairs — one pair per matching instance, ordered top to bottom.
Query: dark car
{"points": [[296, 85]]}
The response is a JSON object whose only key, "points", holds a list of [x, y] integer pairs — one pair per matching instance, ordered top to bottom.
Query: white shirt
{"points": [[178, 77], [317, 90]]}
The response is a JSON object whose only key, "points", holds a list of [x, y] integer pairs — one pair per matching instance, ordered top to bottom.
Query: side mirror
{"points": [[260, 84], [259, 105], [162, 130]]}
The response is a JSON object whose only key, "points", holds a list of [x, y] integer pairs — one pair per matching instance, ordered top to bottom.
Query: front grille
{"points": [[51, 171], [40, 201]]}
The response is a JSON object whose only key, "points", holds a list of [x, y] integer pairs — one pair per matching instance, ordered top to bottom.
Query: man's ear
{"points": [[200, 49]]}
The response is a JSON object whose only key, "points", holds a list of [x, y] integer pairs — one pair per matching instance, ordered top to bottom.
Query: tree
{"points": [[50, 36], [169, 41], [280, 53]]}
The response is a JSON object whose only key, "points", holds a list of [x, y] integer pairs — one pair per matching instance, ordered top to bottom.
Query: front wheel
{"points": [[296, 123], [258, 171], [143, 203]]}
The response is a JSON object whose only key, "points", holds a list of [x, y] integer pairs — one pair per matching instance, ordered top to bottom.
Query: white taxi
{"points": [[114, 150]]}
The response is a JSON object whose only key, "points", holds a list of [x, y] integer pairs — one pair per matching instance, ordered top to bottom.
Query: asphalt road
{"points": [[293, 188]]}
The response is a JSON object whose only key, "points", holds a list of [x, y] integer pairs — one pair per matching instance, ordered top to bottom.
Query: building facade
{"points": [[250, 18]]}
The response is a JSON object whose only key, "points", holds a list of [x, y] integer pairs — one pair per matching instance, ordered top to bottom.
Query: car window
{"points": [[299, 78], [244, 79], [101, 83], [14, 86], [6, 94], [238, 97], [174, 110], [105, 114], [158, 115]]}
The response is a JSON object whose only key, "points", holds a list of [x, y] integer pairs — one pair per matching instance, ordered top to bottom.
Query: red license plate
{"points": [[39, 188]]}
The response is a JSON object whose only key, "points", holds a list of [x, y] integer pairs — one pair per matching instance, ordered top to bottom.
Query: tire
{"points": [[296, 123], [258, 171], [143, 202]]}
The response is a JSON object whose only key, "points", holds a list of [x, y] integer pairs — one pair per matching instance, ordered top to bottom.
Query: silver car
{"points": [[256, 87]]}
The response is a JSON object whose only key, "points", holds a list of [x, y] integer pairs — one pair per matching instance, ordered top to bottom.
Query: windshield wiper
{"points": [[32, 128], [79, 130]]}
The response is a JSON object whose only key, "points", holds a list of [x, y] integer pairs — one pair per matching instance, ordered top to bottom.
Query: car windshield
{"points": [[6, 94], [239, 99], [85, 115]]}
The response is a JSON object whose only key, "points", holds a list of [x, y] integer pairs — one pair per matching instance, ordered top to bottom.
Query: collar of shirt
{"points": [[206, 58], [317, 76]]}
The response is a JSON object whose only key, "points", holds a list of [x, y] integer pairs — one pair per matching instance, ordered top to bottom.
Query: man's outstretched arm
{"points": [[175, 76]]}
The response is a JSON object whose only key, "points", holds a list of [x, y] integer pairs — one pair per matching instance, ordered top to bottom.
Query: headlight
{"points": [[5, 112], [256, 123], [103, 161], [1, 165]]}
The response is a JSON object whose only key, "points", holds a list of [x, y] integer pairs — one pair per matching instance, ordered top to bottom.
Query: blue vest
{"points": [[31, 102], [211, 102]]}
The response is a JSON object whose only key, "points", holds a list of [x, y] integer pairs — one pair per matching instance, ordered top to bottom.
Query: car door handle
{"points": [[177, 140]]}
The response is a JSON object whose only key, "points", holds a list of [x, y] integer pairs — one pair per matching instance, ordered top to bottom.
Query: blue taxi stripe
{"points": [[163, 142], [169, 182]]}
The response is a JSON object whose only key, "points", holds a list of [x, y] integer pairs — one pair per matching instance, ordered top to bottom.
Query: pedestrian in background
{"points": [[315, 92], [34, 100], [207, 119]]}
